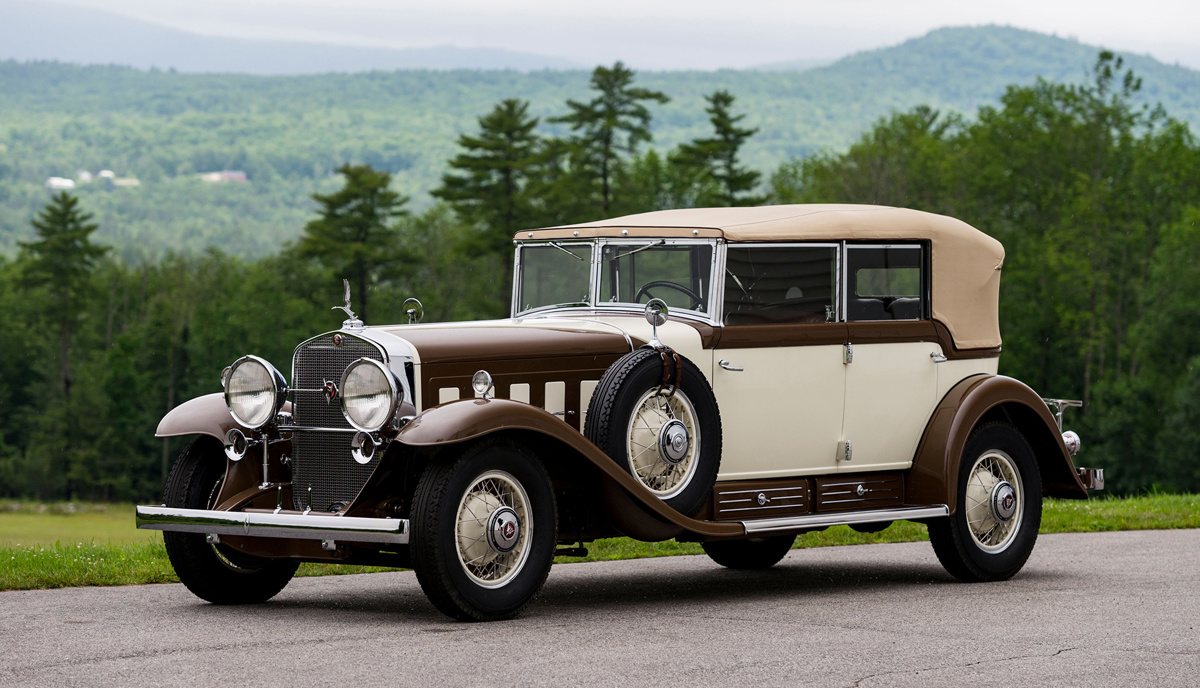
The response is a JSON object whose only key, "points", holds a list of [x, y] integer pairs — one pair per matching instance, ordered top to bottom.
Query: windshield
{"points": [[555, 274], [678, 274]]}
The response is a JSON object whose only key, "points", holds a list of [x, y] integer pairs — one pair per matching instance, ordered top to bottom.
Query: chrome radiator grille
{"points": [[321, 460]]}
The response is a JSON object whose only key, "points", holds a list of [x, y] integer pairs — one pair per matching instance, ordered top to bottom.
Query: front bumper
{"points": [[1092, 478], [292, 526]]}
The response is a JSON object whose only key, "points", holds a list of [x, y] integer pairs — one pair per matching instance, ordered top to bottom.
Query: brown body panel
{"points": [[500, 342], [206, 415], [933, 478], [841, 492], [739, 499], [649, 518]]}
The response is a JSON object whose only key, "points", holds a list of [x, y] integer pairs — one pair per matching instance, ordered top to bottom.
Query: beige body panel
{"points": [[950, 373], [891, 391], [781, 415]]}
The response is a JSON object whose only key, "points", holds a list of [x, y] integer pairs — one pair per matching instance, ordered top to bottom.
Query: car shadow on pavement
{"points": [[583, 588]]}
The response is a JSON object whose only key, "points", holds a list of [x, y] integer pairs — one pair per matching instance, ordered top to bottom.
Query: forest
{"points": [[1094, 192]]}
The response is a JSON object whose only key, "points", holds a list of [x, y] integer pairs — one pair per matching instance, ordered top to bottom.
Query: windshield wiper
{"points": [[660, 242], [559, 247]]}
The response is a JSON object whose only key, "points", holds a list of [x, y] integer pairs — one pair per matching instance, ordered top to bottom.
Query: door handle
{"points": [[937, 357], [725, 364]]}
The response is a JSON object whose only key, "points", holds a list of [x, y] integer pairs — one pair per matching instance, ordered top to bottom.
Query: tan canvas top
{"points": [[966, 262]]}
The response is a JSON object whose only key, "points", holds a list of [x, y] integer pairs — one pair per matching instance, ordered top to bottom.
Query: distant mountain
{"points": [[64, 33], [288, 133]]}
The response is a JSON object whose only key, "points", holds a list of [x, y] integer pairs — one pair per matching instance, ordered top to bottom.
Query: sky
{"points": [[673, 34]]}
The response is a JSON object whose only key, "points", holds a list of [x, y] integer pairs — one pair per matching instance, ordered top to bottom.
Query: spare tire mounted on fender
{"points": [[654, 413]]}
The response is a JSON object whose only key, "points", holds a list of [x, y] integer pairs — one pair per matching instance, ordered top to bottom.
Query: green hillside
{"points": [[289, 133]]}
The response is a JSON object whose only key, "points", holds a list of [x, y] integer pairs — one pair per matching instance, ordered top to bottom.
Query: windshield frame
{"points": [[713, 283]]}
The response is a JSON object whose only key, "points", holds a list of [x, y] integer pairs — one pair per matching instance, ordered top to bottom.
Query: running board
{"points": [[908, 513], [292, 526]]}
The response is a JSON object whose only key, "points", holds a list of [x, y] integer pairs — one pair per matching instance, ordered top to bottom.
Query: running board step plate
{"points": [[907, 513]]}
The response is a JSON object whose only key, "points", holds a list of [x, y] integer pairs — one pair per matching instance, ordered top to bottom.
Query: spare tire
{"points": [[670, 443]]}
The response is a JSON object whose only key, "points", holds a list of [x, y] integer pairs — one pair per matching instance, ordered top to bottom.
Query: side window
{"points": [[884, 283], [780, 284]]}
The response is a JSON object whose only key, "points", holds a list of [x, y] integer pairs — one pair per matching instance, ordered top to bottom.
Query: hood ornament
{"points": [[351, 322]]}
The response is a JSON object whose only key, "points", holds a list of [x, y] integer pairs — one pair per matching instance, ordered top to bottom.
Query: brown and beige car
{"points": [[733, 377]]}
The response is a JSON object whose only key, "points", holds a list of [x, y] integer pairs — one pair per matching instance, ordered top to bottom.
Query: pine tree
{"points": [[615, 122], [719, 154], [489, 188], [355, 235], [61, 262]]}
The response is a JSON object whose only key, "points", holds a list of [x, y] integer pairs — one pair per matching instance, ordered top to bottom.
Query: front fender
{"points": [[206, 415], [468, 419], [933, 478]]}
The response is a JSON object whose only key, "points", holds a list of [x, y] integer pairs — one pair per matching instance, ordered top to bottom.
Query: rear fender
{"points": [[933, 478], [635, 510]]}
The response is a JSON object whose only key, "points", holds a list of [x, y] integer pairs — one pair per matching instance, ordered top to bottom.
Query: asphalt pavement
{"points": [[1103, 609]]}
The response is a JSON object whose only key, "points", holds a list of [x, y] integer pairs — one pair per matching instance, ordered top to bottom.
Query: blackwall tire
{"points": [[627, 419], [988, 538], [757, 553], [470, 567], [215, 573]]}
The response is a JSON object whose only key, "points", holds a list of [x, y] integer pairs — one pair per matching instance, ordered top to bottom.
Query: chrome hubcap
{"points": [[673, 442], [1004, 501], [504, 529]]}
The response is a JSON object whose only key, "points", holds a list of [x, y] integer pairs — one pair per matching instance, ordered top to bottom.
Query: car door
{"points": [[892, 355], [779, 377]]}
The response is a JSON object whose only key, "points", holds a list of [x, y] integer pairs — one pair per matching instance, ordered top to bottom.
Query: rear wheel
{"points": [[999, 509], [484, 531], [756, 553], [215, 573]]}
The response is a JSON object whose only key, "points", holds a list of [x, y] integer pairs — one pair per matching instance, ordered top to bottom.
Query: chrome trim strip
{"points": [[294, 428], [843, 519], [292, 526]]}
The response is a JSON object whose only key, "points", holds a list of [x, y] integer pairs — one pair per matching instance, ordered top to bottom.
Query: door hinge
{"points": [[848, 353], [845, 451]]}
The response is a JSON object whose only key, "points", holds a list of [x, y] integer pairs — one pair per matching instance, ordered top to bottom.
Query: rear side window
{"points": [[885, 283], [780, 284]]}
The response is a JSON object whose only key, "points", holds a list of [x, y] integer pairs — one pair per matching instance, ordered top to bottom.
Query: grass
{"points": [[66, 545]]}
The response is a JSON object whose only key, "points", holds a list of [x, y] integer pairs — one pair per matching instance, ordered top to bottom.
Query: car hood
{"points": [[512, 338]]}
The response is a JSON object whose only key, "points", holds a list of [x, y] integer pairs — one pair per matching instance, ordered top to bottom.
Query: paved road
{"points": [[1110, 609]]}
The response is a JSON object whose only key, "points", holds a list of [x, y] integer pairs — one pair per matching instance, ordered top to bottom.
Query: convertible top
{"points": [[965, 262]]}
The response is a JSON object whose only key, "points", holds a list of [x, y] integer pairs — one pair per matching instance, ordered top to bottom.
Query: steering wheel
{"points": [[645, 291]]}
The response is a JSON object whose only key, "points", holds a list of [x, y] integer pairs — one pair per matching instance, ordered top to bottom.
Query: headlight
{"points": [[254, 391], [370, 394]]}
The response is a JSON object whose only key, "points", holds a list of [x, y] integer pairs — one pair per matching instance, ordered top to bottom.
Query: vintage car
{"points": [[730, 376]]}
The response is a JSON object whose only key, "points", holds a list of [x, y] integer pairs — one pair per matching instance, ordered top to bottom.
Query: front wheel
{"points": [[999, 508], [484, 531], [215, 573]]}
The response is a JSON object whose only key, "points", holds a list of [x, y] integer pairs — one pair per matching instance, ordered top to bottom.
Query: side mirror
{"points": [[413, 310], [656, 315]]}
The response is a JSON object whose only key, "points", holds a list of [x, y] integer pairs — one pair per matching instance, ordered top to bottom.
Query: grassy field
{"points": [[63, 545]]}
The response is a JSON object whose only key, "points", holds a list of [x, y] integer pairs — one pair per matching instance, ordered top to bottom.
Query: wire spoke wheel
{"points": [[663, 441], [994, 500], [493, 529]]}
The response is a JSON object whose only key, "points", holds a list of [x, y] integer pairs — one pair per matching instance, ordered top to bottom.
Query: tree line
{"points": [[1095, 199]]}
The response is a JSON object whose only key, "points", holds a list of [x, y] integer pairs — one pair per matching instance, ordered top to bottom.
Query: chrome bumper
{"points": [[1092, 478], [291, 526]]}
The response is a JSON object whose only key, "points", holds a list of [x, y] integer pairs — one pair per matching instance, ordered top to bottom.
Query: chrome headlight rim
{"points": [[279, 391], [395, 392]]}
